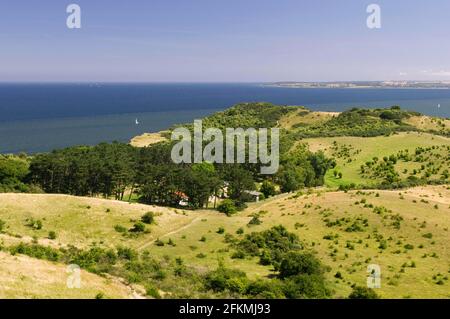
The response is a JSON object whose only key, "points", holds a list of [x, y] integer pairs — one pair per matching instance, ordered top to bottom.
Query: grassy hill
{"points": [[352, 152], [83, 221], [405, 232], [25, 277]]}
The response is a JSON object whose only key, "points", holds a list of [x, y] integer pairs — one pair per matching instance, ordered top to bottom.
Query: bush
{"points": [[268, 189], [227, 207], [148, 218], [254, 221], [34, 223], [2, 225], [138, 227], [120, 229], [221, 230], [51, 235], [159, 242], [127, 253], [295, 263], [224, 279], [306, 286], [265, 289], [152, 291], [363, 293], [100, 295]]}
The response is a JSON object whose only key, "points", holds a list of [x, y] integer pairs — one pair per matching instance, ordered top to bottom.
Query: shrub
{"points": [[268, 189], [227, 207], [148, 218], [254, 221], [34, 223], [2, 225], [138, 227], [120, 229], [221, 230], [240, 231], [51, 235], [159, 242], [127, 253], [238, 254], [294, 263], [223, 279], [306, 286], [265, 289], [152, 291], [363, 293], [100, 295]]}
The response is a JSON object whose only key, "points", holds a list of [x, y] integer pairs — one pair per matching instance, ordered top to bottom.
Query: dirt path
{"points": [[196, 219]]}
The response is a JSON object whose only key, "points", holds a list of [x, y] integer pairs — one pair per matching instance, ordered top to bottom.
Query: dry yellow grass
{"points": [[428, 123], [147, 139], [424, 210], [82, 221], [430, 256], [25, 277]]}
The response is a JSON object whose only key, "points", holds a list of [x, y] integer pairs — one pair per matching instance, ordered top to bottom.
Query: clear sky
{"points": [[224, 41]]}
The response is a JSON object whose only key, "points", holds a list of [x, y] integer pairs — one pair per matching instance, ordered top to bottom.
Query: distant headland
{"points": [[366, 84]]}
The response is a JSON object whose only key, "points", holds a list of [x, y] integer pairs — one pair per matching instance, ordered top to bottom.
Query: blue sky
{"points": [[224, 41]]}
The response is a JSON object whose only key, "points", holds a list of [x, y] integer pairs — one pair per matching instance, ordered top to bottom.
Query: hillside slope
{"points": [[405, 232], [25, 277]]}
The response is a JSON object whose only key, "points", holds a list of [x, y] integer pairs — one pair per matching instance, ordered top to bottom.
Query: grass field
{"points": [[351, 152], [83, 221], [411, 225], [25, 277]]}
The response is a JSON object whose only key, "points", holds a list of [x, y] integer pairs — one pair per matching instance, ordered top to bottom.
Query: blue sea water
{"points": [[42, 117]]}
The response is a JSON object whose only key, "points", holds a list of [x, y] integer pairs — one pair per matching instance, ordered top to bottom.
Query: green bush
{"points": [[268, 189], [227, 207], [148, 218], [254, 221], [34, 223], [2, 225], [138, 227], [120, 229], [51, 235], [295, 263], [224, 279], [310, 286], [152, 291], [363, 293]]}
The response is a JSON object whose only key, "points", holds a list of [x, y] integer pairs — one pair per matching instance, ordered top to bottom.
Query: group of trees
{"points": [[105, 169], [112, 170], [119, 170], [13, 174]]}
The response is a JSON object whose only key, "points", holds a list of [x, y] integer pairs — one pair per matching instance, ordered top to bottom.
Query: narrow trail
{"points": [[196, 219]]}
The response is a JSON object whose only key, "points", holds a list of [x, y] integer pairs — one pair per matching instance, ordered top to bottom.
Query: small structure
{"points": [[255, 195], [184, 199]]}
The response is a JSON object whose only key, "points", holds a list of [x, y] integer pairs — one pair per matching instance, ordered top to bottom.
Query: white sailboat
{"points": [[137, 122]]}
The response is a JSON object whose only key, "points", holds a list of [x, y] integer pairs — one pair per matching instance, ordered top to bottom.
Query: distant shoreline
{"points": [[415, 85]]}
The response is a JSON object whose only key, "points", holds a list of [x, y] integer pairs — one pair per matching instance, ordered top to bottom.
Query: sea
{"points": [[41, 117]]}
